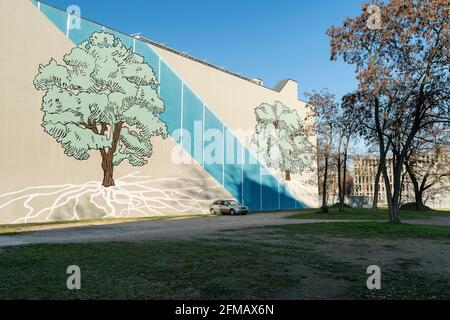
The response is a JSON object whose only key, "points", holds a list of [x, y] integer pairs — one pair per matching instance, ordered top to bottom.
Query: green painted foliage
{"points": [[101, 82], [280, 139]]}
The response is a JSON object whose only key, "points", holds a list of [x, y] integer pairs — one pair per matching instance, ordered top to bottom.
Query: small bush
{"points": [[336, 206], [412, 206]]}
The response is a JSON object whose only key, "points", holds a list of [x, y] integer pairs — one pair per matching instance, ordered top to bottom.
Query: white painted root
{"points": [[132, 195]]}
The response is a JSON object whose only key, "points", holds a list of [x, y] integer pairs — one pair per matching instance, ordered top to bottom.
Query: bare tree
{"points": [[403, 74], [323, 108], [348, 126], [428, 165]]}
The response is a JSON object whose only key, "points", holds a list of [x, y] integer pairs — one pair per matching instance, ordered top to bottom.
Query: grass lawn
{"points": [[366, 214], [368, 230], [292, 261]]}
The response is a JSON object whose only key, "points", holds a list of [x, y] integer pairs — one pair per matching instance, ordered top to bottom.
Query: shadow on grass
{"points": [[367, 214]]}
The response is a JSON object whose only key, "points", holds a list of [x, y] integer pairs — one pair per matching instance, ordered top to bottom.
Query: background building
{"points": [[365, 170], [332, 183]]}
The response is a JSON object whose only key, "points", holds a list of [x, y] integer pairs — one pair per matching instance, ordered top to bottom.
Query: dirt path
{"points": [[434, 222], [165, 229], [150, 230]]}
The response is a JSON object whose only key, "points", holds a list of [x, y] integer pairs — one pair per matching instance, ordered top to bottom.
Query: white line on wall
{"points": [[67, 25], [159, 75], [182, 112], [203, 135], [223, 154], [242, 172]]}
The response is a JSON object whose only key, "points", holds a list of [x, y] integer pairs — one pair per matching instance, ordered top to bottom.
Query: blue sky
{"points": [[267, 39]]}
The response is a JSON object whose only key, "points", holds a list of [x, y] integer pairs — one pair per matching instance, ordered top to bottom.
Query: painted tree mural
{"points": [[104, 97], [280, 139]]}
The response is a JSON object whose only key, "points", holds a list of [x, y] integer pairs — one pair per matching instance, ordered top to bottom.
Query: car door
{"points": [[215, 206], [223, 207]]}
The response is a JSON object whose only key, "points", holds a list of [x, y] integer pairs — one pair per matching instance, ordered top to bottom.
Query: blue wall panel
{"points": [[58, 17], [87, 28], [126, 40], [149, 55], [170, 92], [192, 124], [213, 146], [233, 166], [269, 186], [252, 190], [287, 201]]}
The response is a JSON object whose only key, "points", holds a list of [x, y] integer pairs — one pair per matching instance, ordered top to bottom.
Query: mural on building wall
{"points": [[103, 98], [107, 107], [280, 139]]}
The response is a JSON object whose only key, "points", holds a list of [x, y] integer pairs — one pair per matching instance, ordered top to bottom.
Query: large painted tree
{"points": [[104, 97], [280, 139]]}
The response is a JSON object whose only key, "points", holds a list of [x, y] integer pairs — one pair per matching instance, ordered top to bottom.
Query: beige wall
{"points": [[31, 159], [40, 183]]}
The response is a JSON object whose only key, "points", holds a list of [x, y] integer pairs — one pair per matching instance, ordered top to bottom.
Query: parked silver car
{"points": [[227, 207]]}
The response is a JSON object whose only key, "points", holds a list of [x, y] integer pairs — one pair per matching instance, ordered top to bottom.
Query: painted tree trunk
{"points": [[107, 157], [108, 171], [288, 175]]}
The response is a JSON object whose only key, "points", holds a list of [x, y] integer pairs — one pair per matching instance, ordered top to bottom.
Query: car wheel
{"points": [[212, 211], [232, 212]]}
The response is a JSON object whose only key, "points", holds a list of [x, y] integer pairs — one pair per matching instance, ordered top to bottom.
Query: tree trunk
{"points": [[107, 157], [108, 171], [339, 174], [288, 175], [344, 175], [339, 181], [376, 189], [418, 193], [392, 199], [400, 199], [419, 201], [324, 207], [394, 211], [394, 214]]}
